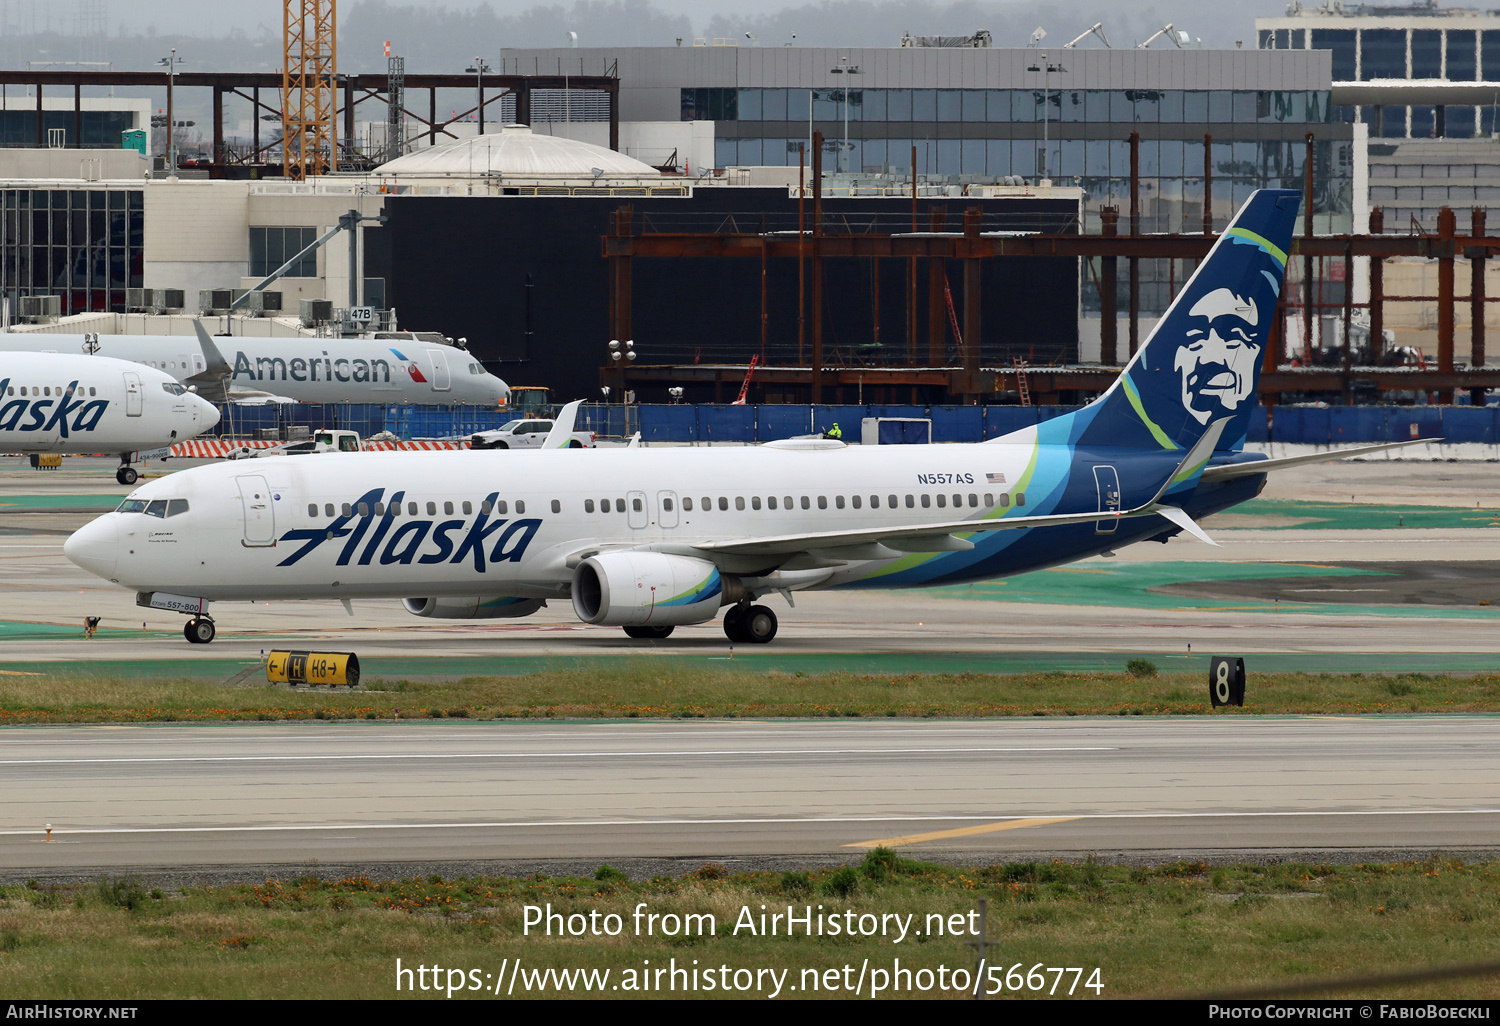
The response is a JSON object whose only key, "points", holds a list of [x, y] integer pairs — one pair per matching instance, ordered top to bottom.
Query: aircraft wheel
{"points": [[126, 475], [734, 624], [759, 625], [199, 632], [649, 632]]}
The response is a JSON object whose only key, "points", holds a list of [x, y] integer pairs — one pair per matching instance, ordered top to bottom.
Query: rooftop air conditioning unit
{"points": [[171, 299], [140, 300], [217, 301], [262, 304], [40, 309], [314, 312]]}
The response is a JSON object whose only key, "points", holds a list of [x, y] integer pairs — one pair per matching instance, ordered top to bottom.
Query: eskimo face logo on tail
{"points": [[1217, 366]]}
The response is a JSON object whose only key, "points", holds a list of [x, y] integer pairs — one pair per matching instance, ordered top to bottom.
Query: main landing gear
{"points": [[752, 625], [199, 630]]}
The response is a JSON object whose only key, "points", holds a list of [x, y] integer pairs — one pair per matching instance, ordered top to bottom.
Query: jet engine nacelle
{"points": [[634, 589], [472, 608]]}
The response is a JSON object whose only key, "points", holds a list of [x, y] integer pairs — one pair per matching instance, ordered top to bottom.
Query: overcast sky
{"points": [[1217, 22]]}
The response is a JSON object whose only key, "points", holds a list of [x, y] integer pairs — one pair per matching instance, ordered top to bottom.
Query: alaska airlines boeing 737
{"points": [[51, 402], [649, 539]]}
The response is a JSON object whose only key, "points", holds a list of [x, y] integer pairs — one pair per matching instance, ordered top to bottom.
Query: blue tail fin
{"points": [[1203, 360]]}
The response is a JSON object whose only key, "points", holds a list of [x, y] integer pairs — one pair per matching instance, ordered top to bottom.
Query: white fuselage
{"points": [[310, 370], [51, 402], [294, 528]]}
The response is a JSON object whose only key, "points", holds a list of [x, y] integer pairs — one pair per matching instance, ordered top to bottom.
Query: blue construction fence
{"points": [[1333, 425]]}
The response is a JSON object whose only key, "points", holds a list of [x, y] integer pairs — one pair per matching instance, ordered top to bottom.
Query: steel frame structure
{"points": [[309, 90]]}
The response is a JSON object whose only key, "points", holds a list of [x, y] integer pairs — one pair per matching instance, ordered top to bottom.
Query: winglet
{"points": [[213, 360], [562, 428], [1197, 458], [1187, 523]]}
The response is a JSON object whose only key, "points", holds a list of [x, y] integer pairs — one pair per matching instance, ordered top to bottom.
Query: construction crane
{"points": [[309, 72]]}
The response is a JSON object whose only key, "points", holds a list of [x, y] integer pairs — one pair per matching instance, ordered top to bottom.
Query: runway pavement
{"points": [[368, 794]]}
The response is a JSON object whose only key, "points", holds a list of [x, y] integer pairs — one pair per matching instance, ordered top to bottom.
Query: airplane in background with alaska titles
{"points": [[61, 403], [653, 539]]}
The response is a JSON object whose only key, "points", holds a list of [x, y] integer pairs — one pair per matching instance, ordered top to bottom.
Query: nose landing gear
{"points": [[127, 475], [199, 630]]}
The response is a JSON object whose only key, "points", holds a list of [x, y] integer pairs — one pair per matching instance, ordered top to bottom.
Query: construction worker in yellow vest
{"points": [[834, 432]]}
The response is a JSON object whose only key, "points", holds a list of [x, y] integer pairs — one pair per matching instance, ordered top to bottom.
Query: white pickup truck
{"points": [[524, 433], [322, 441]]}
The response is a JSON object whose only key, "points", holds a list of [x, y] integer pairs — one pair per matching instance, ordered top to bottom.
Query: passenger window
{"points": [[91, 390], [1020, 498], [973, 499], [1004, 499], [856, 500], [926, 500], [958, 500], [989, 500], [838, 501], [942, 501], [739, 502], [755, 502], [770, 502], [788, 502], [822, 502], [874, 502], [687, 503], [723, 503], [806, 503], [893, 503], [910, 503], [666, 504], [708, 504], [588, 505], [619, 505], [176, 506], [502, 506], [556, 506], [486, 507], [520, 507], [157, 508], [448, 508], [468, 508], [312, 509], [328, 509], [364, 509], [380, 509], [411, 509], [432, 509], [348, 510]]}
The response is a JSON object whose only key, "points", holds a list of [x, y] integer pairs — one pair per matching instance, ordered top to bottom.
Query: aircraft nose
{"points": [[208, 413], [95, 546]]}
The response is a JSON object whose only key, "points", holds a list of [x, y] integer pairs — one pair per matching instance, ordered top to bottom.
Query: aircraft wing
{"points": [[1233, 470], [890, 542]]}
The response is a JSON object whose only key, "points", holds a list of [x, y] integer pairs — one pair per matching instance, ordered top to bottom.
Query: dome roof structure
{"points": [[515, 153]]}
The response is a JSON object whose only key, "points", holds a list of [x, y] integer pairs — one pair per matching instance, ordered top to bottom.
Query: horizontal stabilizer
{"points": [[1233, 470]]}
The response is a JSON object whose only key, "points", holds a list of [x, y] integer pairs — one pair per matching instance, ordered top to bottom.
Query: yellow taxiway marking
{"points": [[938, 835]]}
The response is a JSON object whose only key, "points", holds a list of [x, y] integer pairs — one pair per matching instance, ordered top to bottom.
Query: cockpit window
{"points": [[172, 388], [132, 506], [176, 506], [157, 508]]}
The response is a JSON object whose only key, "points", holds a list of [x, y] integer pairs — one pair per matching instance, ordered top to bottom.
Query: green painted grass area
{"points": [[22, 502], [1280, 514], [1098, 583], [677, 688], [1179, 929]]}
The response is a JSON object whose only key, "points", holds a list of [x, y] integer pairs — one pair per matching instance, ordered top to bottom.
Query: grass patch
{"points": [[662, 689], [1180, 928]]}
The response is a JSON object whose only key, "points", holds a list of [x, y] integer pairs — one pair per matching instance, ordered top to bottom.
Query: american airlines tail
{"points": [[1202, 362]]}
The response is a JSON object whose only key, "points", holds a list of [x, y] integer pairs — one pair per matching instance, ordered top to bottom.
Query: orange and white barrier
{"points": [[214, 448]]}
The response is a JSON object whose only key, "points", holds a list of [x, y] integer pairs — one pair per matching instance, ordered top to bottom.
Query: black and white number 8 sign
{"points": [[1226, 681]]}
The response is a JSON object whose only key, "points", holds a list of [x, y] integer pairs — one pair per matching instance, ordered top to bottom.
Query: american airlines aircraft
{"points": [[309, 370], [51, 402], [650, 539]]}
